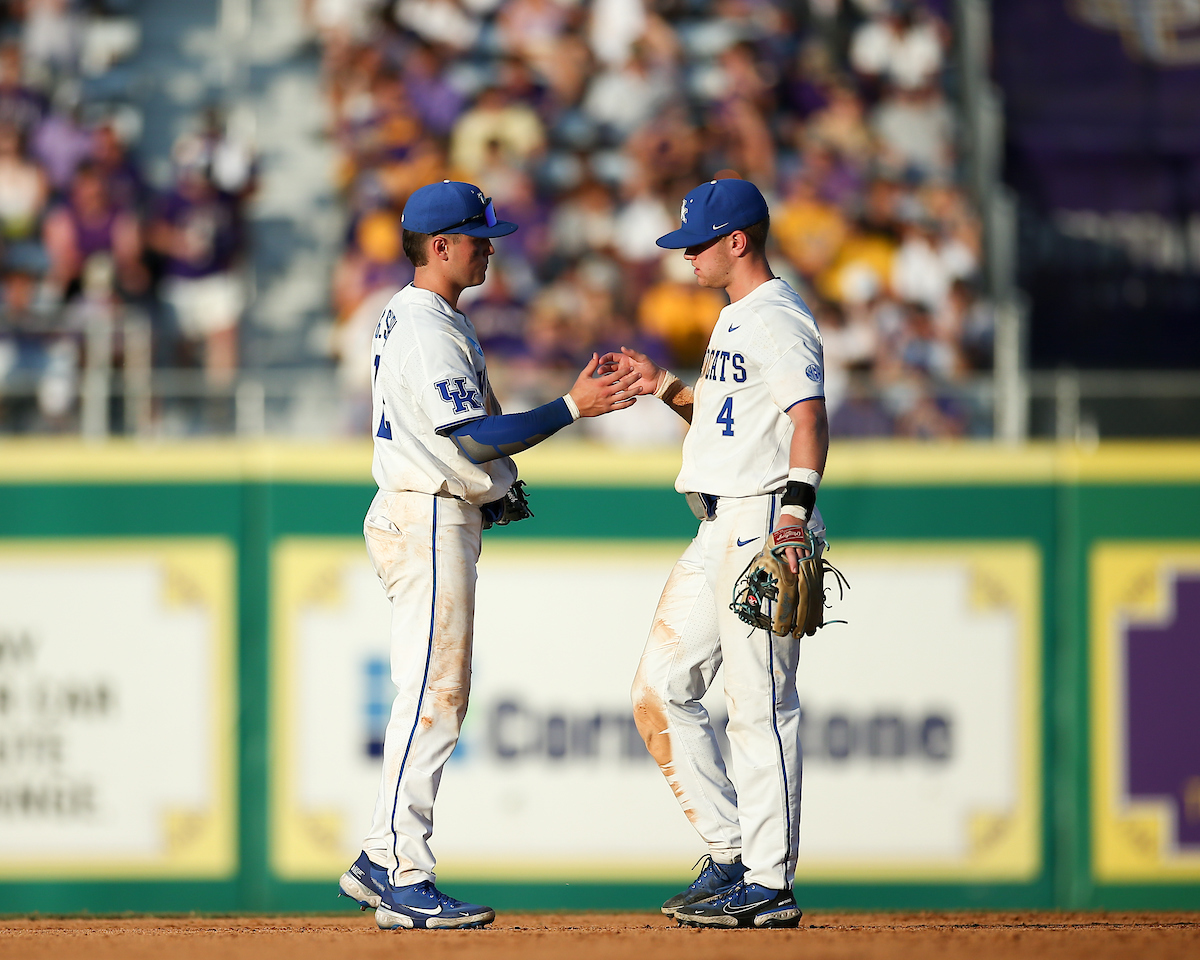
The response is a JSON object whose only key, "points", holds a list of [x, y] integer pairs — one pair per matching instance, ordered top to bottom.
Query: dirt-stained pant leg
{"points": [[425, 551], [681, 656], [764, 707]]}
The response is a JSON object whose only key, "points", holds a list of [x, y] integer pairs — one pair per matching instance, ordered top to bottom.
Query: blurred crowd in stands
{"points": [[588, 122], [85, 242]]}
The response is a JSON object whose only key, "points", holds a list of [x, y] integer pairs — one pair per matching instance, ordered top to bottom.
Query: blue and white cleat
{"points": [[714, 880], [364, 882], [745, 905], [424, 906]]}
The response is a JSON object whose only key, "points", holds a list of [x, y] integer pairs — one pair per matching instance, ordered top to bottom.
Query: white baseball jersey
{"points": [[764, 356], [429, 376]]}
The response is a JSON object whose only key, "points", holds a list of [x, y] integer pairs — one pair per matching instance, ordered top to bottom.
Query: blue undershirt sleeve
{"points": [[490, 438]]}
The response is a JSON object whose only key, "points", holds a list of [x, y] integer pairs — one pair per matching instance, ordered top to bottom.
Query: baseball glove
{"points": [[509, 508], [770, 597]]}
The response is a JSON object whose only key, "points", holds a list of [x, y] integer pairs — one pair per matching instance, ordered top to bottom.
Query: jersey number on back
{"points": [[726, 417]]}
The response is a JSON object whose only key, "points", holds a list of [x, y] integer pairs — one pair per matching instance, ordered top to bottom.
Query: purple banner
{"points": [[1102, 103], [1163, 709]]}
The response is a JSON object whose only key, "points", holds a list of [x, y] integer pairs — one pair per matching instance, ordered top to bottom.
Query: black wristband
{"points": [[800, 494]]}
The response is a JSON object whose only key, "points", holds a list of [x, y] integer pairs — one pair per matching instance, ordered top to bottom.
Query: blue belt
{"points": [[703, 505]]}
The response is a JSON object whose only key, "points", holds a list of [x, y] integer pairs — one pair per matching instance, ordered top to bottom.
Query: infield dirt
{"points": [[600, 936]]}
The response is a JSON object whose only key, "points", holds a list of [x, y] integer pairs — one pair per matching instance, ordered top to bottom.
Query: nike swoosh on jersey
{"points": [[718, 226], [732, 328], [742, 543]]}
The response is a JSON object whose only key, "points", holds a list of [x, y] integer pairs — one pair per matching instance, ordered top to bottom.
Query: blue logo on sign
{"points": [[813, 372], [462, 396], [377, 703]]}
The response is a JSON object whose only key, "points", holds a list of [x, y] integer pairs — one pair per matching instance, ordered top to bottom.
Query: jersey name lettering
{"points": [[385, 324], [715, 366], [462, 396]]}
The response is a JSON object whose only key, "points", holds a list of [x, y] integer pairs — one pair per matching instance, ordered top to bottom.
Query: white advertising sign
{"points": [[117, 709], [921, 716]]}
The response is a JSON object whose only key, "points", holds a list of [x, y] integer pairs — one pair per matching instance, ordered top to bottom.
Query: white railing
{"points": [[134, 399]]}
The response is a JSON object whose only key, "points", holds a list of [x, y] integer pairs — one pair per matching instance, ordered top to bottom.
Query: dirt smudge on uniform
{"points": [[453, 633], [663, 633], [651, 719], [427, 722]]}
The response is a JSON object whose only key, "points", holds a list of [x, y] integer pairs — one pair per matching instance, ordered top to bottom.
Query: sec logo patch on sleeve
{"points": [[813, 372]]}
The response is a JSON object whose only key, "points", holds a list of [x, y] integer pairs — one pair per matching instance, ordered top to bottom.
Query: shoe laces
{"points": [[710, 867], [426, 889], [736, 894]]}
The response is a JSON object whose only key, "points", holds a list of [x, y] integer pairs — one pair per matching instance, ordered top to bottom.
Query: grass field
{"points": [[641, 936]]}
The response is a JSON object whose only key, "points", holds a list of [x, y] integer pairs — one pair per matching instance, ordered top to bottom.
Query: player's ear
{"points": [[739, 243], [440, 247]]}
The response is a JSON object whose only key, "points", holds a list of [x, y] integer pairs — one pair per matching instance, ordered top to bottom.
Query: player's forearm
{"points": [[678, 396], [490, 438], [806, 460]]}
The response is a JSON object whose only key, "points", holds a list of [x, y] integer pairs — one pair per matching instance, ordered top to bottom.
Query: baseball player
{"points": [[752, 460], [444, 469]]}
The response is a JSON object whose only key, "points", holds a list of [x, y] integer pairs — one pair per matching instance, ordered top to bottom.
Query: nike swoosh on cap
{"points": [[718, 226]]}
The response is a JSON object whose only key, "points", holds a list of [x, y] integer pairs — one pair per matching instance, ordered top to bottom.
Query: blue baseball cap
{"points": [[453, 207], [715, 209]]}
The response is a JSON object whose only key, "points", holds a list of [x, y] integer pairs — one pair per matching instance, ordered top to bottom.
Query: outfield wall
{"points": [[193, 681]]}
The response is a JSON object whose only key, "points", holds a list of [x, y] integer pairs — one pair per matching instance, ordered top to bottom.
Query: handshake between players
{"points": [[752, 460]]}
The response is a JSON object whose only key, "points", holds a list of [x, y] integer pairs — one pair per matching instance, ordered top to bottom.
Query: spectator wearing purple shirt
{"points": [[20, 106], [90, 225], [196, 230]]}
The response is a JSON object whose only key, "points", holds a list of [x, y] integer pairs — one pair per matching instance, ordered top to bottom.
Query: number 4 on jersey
{"points": [[726, 417], [385, 427]]}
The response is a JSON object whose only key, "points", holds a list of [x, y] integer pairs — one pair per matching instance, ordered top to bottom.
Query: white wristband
{"points": [[667, 380], [571, 405], [804, 475], [794, 510]]}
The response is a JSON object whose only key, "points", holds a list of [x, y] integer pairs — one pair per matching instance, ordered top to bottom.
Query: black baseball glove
{"points": [[509, 508]]}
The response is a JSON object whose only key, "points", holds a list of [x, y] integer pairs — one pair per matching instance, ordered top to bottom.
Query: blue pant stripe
{"points": [[787, 803], [393, 877]]}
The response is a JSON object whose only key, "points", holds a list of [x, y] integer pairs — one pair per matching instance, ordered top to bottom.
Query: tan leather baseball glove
{"points": [[770, 597]]}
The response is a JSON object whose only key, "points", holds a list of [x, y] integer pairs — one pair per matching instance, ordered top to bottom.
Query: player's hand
{"points": [[649, 373], [597, 392], [791, 554]]}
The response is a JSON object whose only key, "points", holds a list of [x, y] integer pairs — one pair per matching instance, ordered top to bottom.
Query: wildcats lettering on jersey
{"points": [[385, 324], [764, 357], [717, 363], [462, 396]]}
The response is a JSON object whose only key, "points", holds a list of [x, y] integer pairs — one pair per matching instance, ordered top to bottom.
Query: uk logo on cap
{"points": [[716, 208]]}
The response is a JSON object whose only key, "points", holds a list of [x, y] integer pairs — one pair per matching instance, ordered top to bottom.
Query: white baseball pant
{"points": [[424, 549], [694, 631]]}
